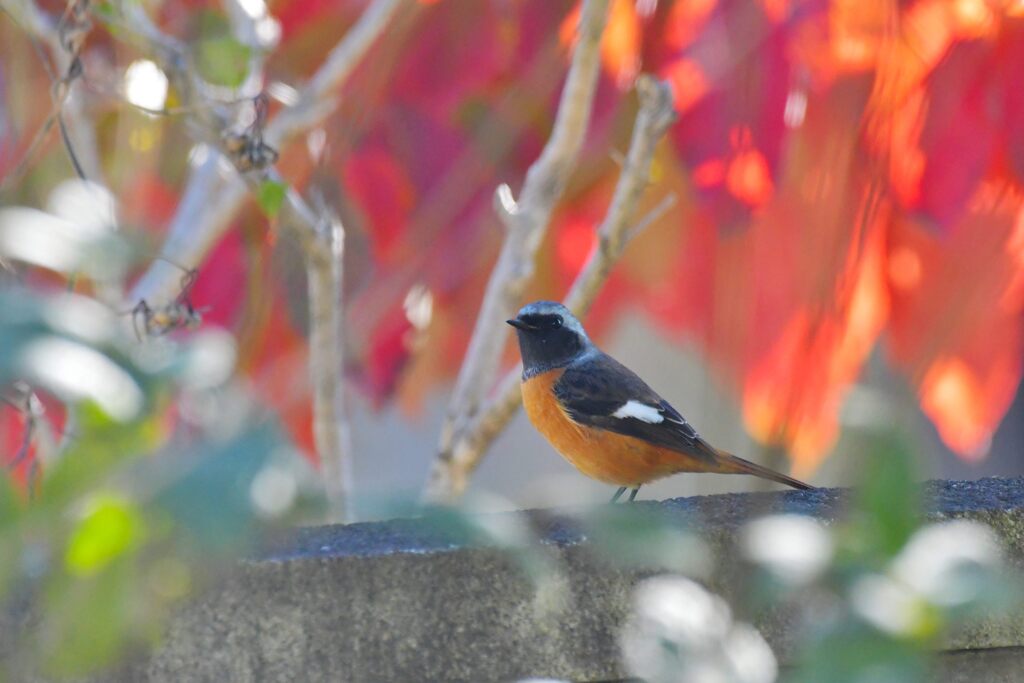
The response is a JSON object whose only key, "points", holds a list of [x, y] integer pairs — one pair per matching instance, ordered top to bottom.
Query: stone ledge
{"points": [[400, 601]]}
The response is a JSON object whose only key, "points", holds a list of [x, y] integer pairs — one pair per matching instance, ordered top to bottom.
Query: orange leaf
{"points": [[685, 20], [687, 80], [749, 178], [958, 332], [792, 397]]}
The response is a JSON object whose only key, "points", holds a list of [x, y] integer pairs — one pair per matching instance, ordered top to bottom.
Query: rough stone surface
{"points": [[406, 601], [999, 665]]}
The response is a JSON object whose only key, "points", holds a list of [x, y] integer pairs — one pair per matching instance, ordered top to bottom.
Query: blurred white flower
{"points": [[145, 85], [90, 206], [74, 234], [40, 238], [81, 317], [209, 359], [75, 371], [273, 491], [795, 548], [936, 558], [937, 568], [886, 604], [681, 633], [750, 657]]}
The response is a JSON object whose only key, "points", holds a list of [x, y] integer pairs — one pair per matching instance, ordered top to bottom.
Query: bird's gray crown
{"points": [[543, 308], [549, 336]]}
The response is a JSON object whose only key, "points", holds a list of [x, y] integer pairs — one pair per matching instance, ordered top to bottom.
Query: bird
{"points": [[601, 417]]}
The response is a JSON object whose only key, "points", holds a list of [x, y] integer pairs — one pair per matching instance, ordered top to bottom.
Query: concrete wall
{"points": [[403, 601]]}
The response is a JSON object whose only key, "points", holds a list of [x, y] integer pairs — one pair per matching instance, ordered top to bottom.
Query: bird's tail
{"points": [[746, 467]]}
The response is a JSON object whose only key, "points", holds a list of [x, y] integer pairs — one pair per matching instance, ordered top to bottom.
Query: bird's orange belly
{"points": [[600, 454]]}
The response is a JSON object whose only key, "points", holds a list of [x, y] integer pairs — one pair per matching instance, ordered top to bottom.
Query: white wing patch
{"points": [[639, 411]]}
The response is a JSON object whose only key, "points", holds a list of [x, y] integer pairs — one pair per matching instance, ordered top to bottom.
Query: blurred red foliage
{"points": [[848, 171]]}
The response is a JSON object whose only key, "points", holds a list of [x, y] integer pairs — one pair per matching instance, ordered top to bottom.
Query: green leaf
{"points": [[105, 10], [222, 60], [271, 197], [73, 347], [101, 445], [211, 498], [887, 504], [9, 506], [110, 527], [509, 533], [640, 536], [10, 553], [89, 622], [853, 653]]}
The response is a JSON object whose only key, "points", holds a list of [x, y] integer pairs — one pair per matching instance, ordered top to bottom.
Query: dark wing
{"points": [[599, 391]]}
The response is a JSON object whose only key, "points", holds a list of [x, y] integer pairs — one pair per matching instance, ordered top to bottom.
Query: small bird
{"points": [[601, 416]]}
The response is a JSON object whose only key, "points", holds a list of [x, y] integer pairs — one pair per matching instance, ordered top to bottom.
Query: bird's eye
{"points": [[557, 322]]}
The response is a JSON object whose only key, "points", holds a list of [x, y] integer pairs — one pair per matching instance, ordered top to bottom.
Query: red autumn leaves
{"points": [[849, 173], [855, 176]]}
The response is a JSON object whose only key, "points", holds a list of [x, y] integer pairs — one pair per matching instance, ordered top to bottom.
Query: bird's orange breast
{"points": [[598, 453]]}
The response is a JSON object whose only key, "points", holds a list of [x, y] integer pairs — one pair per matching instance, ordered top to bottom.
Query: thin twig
{"points": [[63, 40], [317, 98], [653, 120], [65, 137], [214, 194], [210, 201], [526, 221], [200, 223], [321, 235], [326, 354], [36, 432], [25, 447], [450, 474]]}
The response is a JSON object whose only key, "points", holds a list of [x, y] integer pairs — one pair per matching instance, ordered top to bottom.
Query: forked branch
{"points": [[214, 194], [526, 221], [455, 464]]}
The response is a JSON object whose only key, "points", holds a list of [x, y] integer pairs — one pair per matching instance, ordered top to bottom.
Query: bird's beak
{"points": [[519, 324]]}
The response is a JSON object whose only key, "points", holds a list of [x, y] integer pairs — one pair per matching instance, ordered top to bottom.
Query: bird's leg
{"points": [[618, 494], [632, 494]]}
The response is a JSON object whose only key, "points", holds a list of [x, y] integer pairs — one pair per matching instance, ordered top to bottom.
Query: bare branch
{"points": [[63, 40], [316, 98], [655, 116], [216, 191], [214, 194], [210, 200], [526, 221], [200, 223], [321, 235], [330, 419], [36, 430], [28, 431], [450, 474]]}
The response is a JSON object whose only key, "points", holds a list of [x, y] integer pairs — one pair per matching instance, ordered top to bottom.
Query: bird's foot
{"points": [[622, 489]]}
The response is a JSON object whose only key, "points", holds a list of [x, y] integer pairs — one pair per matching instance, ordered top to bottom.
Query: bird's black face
{"points": [[548, 339]]}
